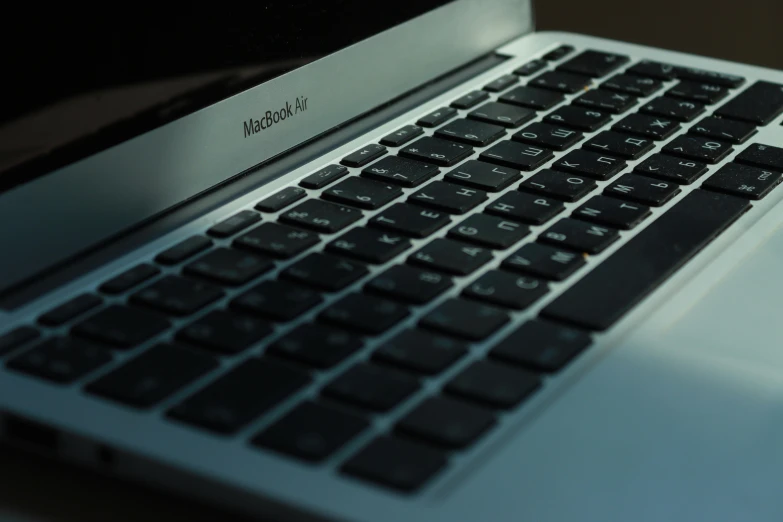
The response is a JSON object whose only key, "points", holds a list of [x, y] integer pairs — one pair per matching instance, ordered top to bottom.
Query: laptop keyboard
{"points": [[266, 281]]}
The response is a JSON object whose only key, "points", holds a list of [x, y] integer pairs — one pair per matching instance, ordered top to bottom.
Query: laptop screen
{"points": [[93, 81]]}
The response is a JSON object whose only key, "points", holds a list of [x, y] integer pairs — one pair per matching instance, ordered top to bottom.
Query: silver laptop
{"points": [[336, 262]]}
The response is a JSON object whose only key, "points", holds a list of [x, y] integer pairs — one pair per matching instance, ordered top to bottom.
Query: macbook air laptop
{"points": [[343, 261]]}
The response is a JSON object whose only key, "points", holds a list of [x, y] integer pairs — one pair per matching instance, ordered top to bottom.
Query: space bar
{"points": [[615, 286]]}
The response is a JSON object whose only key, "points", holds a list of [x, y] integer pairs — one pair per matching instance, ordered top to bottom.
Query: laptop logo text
{"points": [[254, 126]]}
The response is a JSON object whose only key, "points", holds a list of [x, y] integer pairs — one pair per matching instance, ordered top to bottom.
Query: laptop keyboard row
{"points": [[501, 205]]}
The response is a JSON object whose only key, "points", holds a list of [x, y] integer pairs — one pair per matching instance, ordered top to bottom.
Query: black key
{"points": [[558, 53], [594, 63], [531, 67], [661, 71], [714, 78], [560, 82], [501, 84], [631, 84], [701, 92], [532, 98], [470, 100], [606, 101], [760, 103], [680, 110], [502, 114], [437, 117], [579, 118], [654, 127], [735, 132], [474, 133], [402, 136], [548, 136], [619, 144], [698, 148], [434, 150], [517, 155], [760, 155], [363, 156], [590, 164], [669, 168], [400, 171], [484, 176], [324, 177], [743, 181], [558, 185], [641, 189], [362, 193], [448, 197], [281, 199], [527, 208], [611, 212], [321, 216], [410, 220], [230, 226], [489, 231], [580, 236], [277, 240], [366, 244], [183, 250], [451, 256], [544, 261], [229, 266], [324, 271], [130, 278], [409, 284], [615, 286], [505, 289], [177, 295], [279, 300], [70, 309], [365, 313], [465, 319], [121, 326], [225, 332], [17, 337], [316, 345], [542, 345], [421, 351], [61, 359], [153, 376], [494, 384], [372, 387], [240, 395], [446, 422], [311, 432], [396, 463]]}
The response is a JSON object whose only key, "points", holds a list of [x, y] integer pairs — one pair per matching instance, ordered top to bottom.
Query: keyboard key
{"points": [[558, 53], [594, 63], [531, 67], [661, 71], [714, 78], [560, 82], [501, 84], [631, 84], [701, 92], [532, 98], [470, 100], [607, 101], [760, 103], [679, 110], [502, 114], [437, 117], [579, 118], [654, 127], [735, 132], [474, 133], [402, 136], [548, 136], [619, 144], [698, 148], [434, 150], [517, 155], [760, 155], [363, 156], [590, 164], [669, 168], [400, 171], [480, 175], [324, 177], [743, 181], [558, 185], [641, 189], [362, 193], [448, 197], [282, 199], [526, 208], [611, 212], [321, 216], [410, 220], [230, 226], [489, 231], [577, 235], [277, 240], [366, 244], [662, 248], [183, 250], [451, 256], [544, 261], [229, 266], [325, 271], [130, 278], [409, 284], [505, 289], [177, 295], [278, 300], [70, 309], [364, 313], [465, 319], [121, 326], [225, 332], [13, 339], [317, 345], [542, 345], [421, 351], [61, 359], [153, 376], [495, 384], [372, 387], [240, 395], [446, 422], [311, 432], [396, 463]]}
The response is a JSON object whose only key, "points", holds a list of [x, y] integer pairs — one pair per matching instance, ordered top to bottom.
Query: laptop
{"points": [[324, 261]]}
